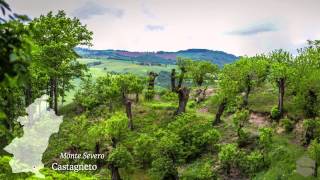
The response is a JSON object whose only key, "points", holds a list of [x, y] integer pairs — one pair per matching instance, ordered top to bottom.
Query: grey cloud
{"points": [[90, 9], [147, 12], [154, 27], [254, 30]]}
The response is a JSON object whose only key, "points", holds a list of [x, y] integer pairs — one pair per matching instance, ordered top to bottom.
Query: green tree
{"points": [[56, 36], [15, 58], [281, 71], [202, 73], [307, 80], [151, 82], [129, 84], [181, 89], [114, 132]]}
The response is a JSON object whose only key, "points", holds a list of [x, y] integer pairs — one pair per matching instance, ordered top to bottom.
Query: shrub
{"points": [[170, 96], [192, 104], [275, 113], [239, 120], [287, 124], [312, 129], [195, 134], [265, 138], [143, 149], [314, 151], [228, 156], [120, 157], [252, 163], [163, 168], [200, 171]]}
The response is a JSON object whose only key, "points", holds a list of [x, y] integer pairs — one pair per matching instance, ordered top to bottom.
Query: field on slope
{"points": [[120, 66]]}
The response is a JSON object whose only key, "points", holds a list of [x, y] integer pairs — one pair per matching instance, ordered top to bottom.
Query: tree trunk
{"points": [[181, 77], [152, 78], [173, 80], [281, 85], [51, 93], [62, 93], [183, 94], [28, 95], [56, 95], [137, 97], [110, 106], [221, 108], [129, 113], [97, 151], [115, 175]]}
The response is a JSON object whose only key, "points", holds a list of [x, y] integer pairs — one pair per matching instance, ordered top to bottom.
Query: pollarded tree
{"points": [[56, 36], [281, 71], [151, 82], [182, 90]]}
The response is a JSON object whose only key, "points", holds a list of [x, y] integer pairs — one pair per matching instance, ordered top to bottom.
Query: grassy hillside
{"points": [[120, 66]]}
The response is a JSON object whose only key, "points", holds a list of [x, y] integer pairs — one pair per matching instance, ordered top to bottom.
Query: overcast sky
{"points": [[241, 27]]}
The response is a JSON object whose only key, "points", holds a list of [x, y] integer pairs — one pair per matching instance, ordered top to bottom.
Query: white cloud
{"points": [[92, 8], [194, 23]]}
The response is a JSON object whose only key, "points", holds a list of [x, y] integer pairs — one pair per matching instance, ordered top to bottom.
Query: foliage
{"points": [[55, 37], [202, 72], [308, 78], [108, 90], [149, 94], [169, 96], [275, 113], [239, 120], [312, 129], [195, 135], [265, 138], [142, 149], [314, 150], [167, 154], [228, 156], [120, 157], [252, 163], [162, 168], [199, 170]]}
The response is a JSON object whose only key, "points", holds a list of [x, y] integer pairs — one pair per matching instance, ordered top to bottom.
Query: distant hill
{"points": [[160, 57]]}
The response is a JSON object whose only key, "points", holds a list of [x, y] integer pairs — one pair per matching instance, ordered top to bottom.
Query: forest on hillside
{"points": [[255, 118]]}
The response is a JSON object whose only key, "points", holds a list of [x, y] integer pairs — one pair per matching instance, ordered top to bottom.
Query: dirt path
{"points": [[258, 120]]}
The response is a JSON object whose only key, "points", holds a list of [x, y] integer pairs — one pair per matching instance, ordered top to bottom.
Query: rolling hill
{"points": [[160, 57]]}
